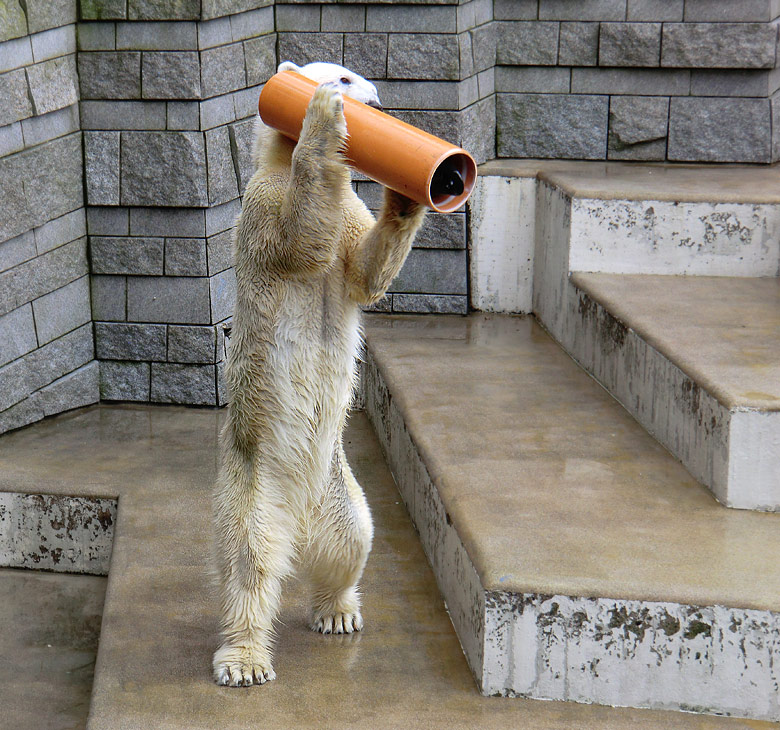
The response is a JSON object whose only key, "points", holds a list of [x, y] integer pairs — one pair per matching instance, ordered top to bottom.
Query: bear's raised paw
{"points": [[324, 125]]}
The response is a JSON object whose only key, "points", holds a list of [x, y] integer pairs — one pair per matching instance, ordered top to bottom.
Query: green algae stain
{"points": [[13, 21], [695, 628]]}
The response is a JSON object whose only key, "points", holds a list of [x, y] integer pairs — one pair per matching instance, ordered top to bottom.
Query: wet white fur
{"points": [[307, 253]]}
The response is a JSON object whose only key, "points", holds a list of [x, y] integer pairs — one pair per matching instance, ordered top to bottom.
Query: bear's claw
{"points": [[337, 623]]}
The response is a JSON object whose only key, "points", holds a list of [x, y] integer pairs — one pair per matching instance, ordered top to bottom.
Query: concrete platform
{"points": [[579, 560], [48, 642], [405, 670]]}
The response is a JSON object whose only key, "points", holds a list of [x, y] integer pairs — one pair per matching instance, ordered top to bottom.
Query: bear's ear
{"points": [[288, 66]]}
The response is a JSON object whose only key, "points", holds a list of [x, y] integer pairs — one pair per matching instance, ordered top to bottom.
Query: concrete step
{"points": [[534, 224], [697, 361], [578, 559], [404, 670]]}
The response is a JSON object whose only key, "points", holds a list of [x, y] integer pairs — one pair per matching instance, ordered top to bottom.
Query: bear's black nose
{"points": [[376, 105]]}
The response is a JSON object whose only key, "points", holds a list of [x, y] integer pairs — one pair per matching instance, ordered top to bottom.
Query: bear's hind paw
{"points": [[337, 623], [235, 667]]}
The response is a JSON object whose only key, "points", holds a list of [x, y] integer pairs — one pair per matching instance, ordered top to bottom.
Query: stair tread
{"points": [[649, 181], [724, 332], [552, 486], [405, 670]]}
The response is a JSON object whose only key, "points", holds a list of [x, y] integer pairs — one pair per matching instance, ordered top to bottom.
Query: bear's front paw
{"points": [[324, 124], [337, 623], [240, 666]]}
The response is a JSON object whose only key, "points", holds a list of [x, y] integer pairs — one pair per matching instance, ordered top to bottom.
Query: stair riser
{"points": [[634, 653]]}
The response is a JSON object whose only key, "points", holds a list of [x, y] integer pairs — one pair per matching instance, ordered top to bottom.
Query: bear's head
{"points": [[349, 83]]}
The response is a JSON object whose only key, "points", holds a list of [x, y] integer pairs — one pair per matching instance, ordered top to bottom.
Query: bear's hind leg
{"points": [[256, 539], [338, 547]]}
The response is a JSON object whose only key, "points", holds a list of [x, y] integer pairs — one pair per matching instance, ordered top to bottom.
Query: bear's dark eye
{"points": [[344, 80]]}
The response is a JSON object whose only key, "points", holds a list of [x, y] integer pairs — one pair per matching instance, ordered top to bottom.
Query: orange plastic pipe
{"points": [[395, 154]]}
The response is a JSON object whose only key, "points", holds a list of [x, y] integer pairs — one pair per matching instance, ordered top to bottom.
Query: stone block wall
{"points": [[679, 80], [47, 361]]}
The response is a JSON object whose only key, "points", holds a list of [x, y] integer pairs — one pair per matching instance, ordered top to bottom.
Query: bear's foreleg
{"points": [[310, 216], [378, 256], [256, 535], [337, 550]]}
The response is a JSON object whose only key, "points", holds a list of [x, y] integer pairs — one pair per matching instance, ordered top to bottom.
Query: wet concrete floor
{"points": [[49, 629]]}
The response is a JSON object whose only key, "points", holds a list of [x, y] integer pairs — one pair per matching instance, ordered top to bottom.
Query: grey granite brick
{"points": [[216, 8], [103, 9], [163, 9], [515, 9], [578, 10], [660, 10], [719, 11], [44, 14], [472, 14], [297, 18], [343, 18], [411, 19], [14, 20], [252, 24], [217, 32], [96, 36], [160, 36], [53, 43], [527, 43], [579, 44], [630, 44], [719, 45], [483, 46], [303, 48], [366, 53], [15, 54], [465, 55], [260, 56], [409, 56], [222, 69], [110, 75], [170, 75], [535, 79], [640, 82], [728, 82], [486, 83], [53, 84], [468, 92], [429, 95], [16, 101], [245, 102], [775, 110], [107, 115], [183, 115], [444, 124], [478, 125], [552, 125], [46, 127], [638, 127], [720, 130], [241, 136], [11, 139], [101, 167], [163, 168], [53, 177], [222, 182], [371, 193], [16, 210], [222, 217], [108, 221], [185, 222], [61, 230], [442, 231], [17, 250], [220, 252], [126, 255], [185, 257], [432, 271], [37, 277], [223, 295], [109, 298], [172, 299], [430, 303], [384, 305], [62, 310], [17, 334], [123, 341], [191, 344], [61, 356], [127, 381], [15, 383], [187, 384], [75, 390], [223, 394], [22, 414]]}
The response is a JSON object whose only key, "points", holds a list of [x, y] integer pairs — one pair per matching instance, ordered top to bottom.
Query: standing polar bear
{"points": [[307, 254]]}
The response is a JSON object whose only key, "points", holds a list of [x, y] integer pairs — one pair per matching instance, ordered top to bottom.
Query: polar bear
{"points": [[307, 254]]}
